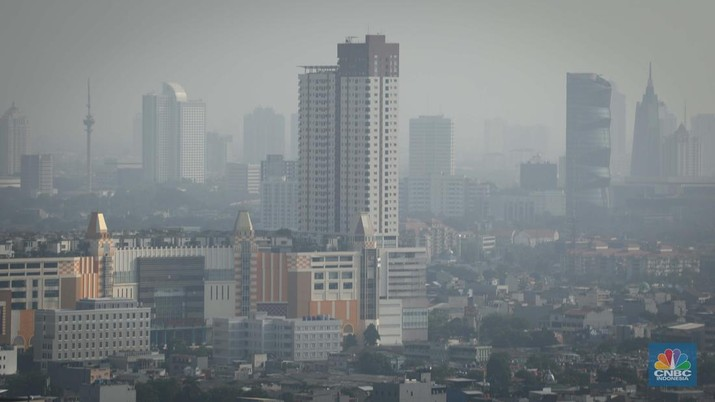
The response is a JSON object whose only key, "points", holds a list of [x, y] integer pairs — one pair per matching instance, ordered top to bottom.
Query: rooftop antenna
{"points": [[685, 114], [88, 123]]}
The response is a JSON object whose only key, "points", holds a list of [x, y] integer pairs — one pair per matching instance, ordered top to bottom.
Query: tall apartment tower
{"points": [[348, 118], [14, 133], [263, 134], [174, 136], [588, 147], [645, 158], [102, 250], [245, 252]]}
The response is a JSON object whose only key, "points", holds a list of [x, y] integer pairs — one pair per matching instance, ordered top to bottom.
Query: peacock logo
{"points": [[672, 359]]}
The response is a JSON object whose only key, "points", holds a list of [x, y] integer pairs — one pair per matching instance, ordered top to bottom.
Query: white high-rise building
{"points": [[14, 133], [174, 136], [348, 140], [431, 146]]}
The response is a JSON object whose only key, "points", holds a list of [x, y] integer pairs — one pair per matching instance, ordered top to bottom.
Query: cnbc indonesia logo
{"points": [[672, 365]]}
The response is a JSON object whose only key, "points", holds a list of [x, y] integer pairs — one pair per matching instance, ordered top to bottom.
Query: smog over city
{"points": [[333, 201]]}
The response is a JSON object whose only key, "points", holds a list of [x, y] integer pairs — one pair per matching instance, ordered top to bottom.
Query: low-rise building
{"points": [[94, 330], [311, 338]]}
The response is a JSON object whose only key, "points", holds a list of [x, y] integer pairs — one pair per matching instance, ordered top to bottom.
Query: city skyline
{"points": [[496, 76]]}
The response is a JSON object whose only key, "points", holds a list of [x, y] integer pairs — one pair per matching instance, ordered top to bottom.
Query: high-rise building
{"points": [[703, 127], [14, 133], [263, 134], [174, 136], [431, 146], [588, 147], [619, 152], [216, 154], [681, 154], [645, 158], [348, 162], [36, 175], [243, 180], [279, 193]]}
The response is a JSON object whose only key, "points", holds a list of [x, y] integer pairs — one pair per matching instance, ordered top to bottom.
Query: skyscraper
{"points": [[14, 133], [263, 134], [174, 136], [348, 140], [431, 146], [588, 147], [645, 158]]}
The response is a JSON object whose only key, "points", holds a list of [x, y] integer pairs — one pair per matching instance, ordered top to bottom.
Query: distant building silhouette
{"points": [[703, 127], [14, 133], [263, 134], [174, 136], [349, 140], [431, 146], [588, 148], [619, 150], [216, 154], [681, 154], [645, 158], [37, 174], [538, 175], [279, 193]]}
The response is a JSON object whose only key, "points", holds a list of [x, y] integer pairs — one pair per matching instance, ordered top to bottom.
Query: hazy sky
{"points": [[469, 60]]}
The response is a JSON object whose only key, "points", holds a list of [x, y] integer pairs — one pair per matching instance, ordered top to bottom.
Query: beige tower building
{"points": [[102, 252], [246, 264]]}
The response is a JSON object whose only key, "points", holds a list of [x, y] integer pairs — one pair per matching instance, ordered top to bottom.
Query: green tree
{"points": [[437, 325], [370, 335], [349, 341], [372, 362], [499, 373]]}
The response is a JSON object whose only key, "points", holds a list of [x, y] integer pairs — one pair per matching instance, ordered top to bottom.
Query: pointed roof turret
{"points": [[243, 226], [97, 228]]}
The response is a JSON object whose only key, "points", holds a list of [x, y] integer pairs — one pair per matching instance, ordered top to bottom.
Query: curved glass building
{"points": [[588, 147]]}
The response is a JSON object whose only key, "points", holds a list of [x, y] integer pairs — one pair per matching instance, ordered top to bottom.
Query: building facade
{"points": [[14, 133], [263, 134], [174, 136], [348, 140], [431, 146], [588, 147], [681, 154], [645, 160], [36, 175], [94, 330], [311, 338]]}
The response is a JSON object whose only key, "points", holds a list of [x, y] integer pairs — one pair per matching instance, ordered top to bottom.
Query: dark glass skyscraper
{"points": [[588, 147], [645, 161]]}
